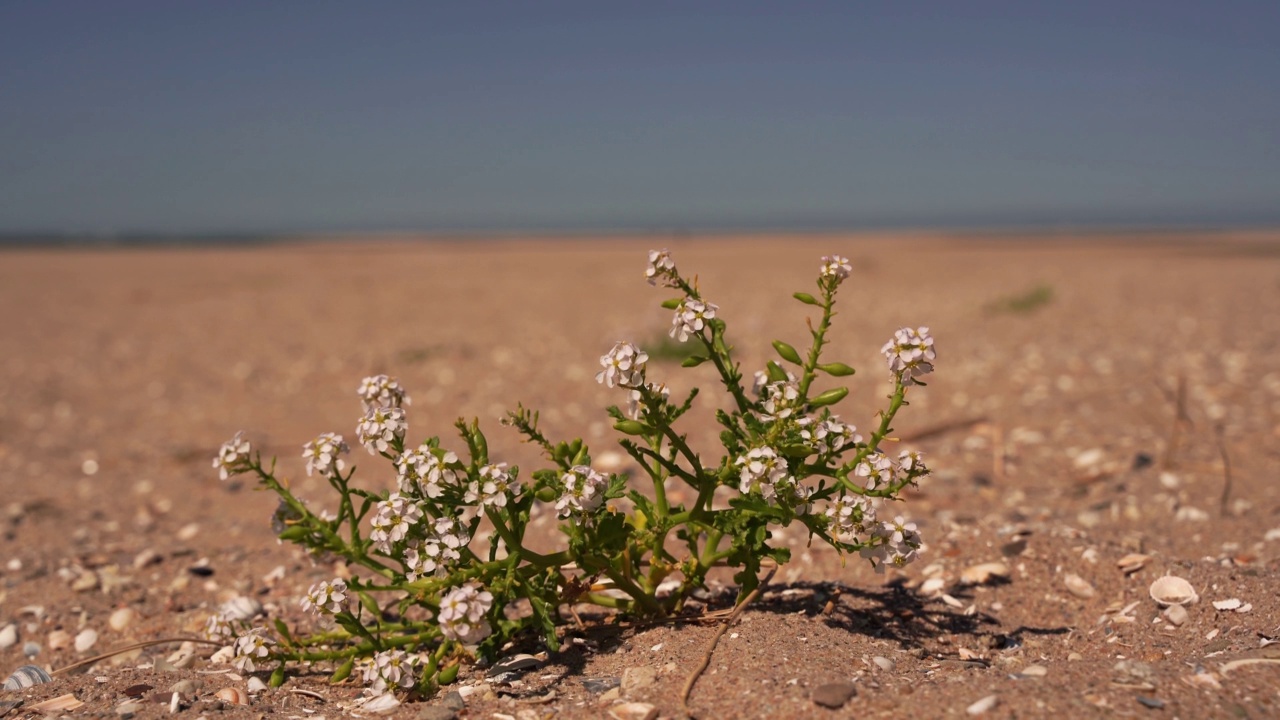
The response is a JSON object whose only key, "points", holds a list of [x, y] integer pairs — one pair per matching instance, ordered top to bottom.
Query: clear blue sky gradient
{"points": [[318, 116]]}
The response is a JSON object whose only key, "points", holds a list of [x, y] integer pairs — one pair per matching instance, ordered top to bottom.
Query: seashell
{"points": [[1132, 563], [984, 573], [1078, 586], [1173, 590], [1231, 604], [241, 608], [1176, 615], [122, 618], [8, 636], [58, 639], [86, 639], [27, 676], [255, 685], [232, 696], [385, 702], [57, 704]]}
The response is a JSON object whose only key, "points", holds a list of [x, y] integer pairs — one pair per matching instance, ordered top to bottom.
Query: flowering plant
{"points": [[425, 597]]}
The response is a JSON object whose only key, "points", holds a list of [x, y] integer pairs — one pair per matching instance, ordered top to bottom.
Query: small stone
{"points": [[1089, 458], [189, 531], [145, 558], [1132, 563], [985, 573], [85, 581], [1078, 586], [1231, 604], [1176, 615], [122, 618], [8, 636], [58, 639], [86, 639], [30, 649], [1074, 657], [884, 663], [1034, 671], [638, 678], [598, 685], [185, 688], [833, 695], [453, 700], [1153, 703], [982, 705], [128, 709], [633, 711], [437, 712]]}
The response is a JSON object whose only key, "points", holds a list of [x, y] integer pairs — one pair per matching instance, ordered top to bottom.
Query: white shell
{"points": [[984, 573], [1078, 586], [1173, 590], [1231, 604], [241, 608], [122, 618], [86, 639], [26, 676]]}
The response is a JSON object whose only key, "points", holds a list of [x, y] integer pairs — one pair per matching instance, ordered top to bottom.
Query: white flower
{"points": [[661, 266], [835, 267], [690, 318], [910, 354], [623, 365], [761, 382], [382, 391], [781, 400], [635, 408], [380, 427], [830, 435], [322, 454], [233, 457], [911, 464], [877, 468], [426, 471], [763, 472], [493, 487], [583, 491], [850, 515], [392, 521], [902, 541], [443, 545], [325, 598], [462, 614], [218, 627], [250, 646], [390, 669]]}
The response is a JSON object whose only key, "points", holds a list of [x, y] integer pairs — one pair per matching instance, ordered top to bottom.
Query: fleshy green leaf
{"points": [[806, 298], [787, 352], [836, 369], [830, 397], [631, 427], [343, 671]]}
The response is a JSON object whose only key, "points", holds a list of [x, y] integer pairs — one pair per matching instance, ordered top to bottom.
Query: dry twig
{"points": [[1226, 468], [136, 646], [711, 647]]}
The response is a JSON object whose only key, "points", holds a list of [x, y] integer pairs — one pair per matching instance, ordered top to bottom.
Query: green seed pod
{"points": [[806, 298], [672, 304], [787, 352], [693, 361], [836, 369], [776, 373], [830, 397], [631, 427], [546, 494], [295, 533], [343, 671], [449, 674], [277, 677]]}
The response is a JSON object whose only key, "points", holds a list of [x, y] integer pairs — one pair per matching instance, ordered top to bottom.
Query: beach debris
{"points": [[1132, 563], [984, 573], [84, 582], [932, 586], [1078, 586], [1173, 590], [1231, 604], [241, 608], [1176, 615], [122, 618], [8, 636], [58, 639], [86, 639], [30, 649], [884, 663], [515, 664], [1034, 671], [1133, 674], [27, 676], [637, 678], [255, 685], [597, 685], [833, 695], [233, 696], [175, 703], [1153, 703], [58, 704], [982, 706], [128, 708], [633, 711]]}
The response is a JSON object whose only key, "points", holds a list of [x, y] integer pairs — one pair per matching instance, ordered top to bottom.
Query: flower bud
{"points": [[806, 298], [836, 369], [830, 397], [631, 427], [343, 671], [449, 674]]}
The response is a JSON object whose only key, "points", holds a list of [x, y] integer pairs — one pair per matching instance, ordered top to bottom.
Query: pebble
{"points": [[189, 531], [145, 558], [984, 573], [85, 582], [1078, 586], [1231, 604], [1176, 615], [122, 618], [8, 636], [58, 639], [86, 639], [31, 649], [884, 663], [1034, 671], [638, 678], [598, 685], [185, 687], [833, 695], [1153, 703], [982, 705], [128, 708], [633, 711], [436, 712]]}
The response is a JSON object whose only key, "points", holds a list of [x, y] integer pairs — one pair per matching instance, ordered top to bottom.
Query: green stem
{"points": [[819, 339]]}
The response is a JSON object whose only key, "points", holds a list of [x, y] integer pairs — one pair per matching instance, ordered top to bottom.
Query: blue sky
{"points": [[317, 116]]}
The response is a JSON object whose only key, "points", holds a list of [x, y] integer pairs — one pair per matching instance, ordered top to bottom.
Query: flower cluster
{"points": [[661, 267], [835, 267], [691, 318], [910, 354], [624, 365], [382, 391], [780, 400], [635, 407], [380, 427], [828, 436], [323, 453], [233, 457], [425, 471], [763, 472], [881, 472], [493, 487], [583, 491], [850, 515], [392, 521], [895, 543], [443, 545], [325, 598], [462, 614], [218, 628], [250, 646], [390, 670]]}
